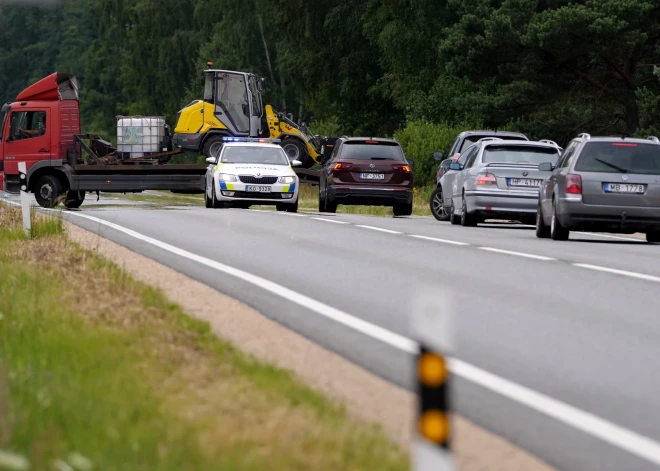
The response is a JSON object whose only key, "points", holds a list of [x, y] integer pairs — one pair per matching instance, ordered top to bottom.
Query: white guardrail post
{"points": [[25, 199], [432, 328]]}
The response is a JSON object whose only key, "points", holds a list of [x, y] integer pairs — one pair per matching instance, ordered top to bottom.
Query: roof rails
{"points": [[584, 135], [488, 139], [654, 139], [548, 141]]}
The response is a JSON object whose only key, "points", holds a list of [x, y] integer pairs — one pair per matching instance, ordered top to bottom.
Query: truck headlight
{"points": [[226, 177], [287, 179]]}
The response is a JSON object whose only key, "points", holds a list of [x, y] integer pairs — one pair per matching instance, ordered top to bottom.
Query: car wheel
{"points": [[48, 191], [74, 199], [207, 201], [214, 201], [321, 201], [437, 205], [330, 206], [292, 208], [402, 209], [455, 220], [467, 220], [542, 231], [557, 231], [653, 237]]}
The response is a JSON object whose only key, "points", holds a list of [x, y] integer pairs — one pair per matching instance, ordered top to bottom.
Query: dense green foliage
{"points": [[550, 68]]}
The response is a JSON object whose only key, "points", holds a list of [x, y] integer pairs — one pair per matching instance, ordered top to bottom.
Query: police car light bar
{"points": [[251, 139]]}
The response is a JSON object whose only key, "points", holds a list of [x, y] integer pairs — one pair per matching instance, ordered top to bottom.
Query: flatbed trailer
{"points": [[42, 129]]}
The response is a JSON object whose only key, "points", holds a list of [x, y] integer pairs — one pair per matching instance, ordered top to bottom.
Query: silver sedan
{"points": [[500, 179]]}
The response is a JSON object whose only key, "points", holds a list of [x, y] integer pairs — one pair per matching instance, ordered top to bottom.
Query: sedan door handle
{"points": [[44, 150]]}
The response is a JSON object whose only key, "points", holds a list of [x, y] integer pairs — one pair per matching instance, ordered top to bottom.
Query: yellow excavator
{"points": [[232, 107]]}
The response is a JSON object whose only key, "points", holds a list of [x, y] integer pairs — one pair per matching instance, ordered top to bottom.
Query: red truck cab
{"points": [[38, 129]]}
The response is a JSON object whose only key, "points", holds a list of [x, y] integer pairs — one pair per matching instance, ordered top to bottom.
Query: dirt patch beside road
{"points": [[365, 395]]}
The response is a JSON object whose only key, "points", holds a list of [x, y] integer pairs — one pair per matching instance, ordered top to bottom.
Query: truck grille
{"points": [[257, 181]]}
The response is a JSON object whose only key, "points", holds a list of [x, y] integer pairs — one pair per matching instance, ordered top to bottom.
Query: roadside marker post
{"points": [[25, 199], [432, 328]]}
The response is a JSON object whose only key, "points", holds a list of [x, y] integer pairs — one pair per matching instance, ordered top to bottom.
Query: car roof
{"points": [[491, 133], [380, 139], [635, 140], [507, 143], [250, 144]]}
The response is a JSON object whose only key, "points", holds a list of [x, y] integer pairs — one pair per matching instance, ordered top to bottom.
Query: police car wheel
{"points": [[214, 202]]}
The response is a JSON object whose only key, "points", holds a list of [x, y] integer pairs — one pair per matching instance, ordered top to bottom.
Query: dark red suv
{"points": [[367, 171]]}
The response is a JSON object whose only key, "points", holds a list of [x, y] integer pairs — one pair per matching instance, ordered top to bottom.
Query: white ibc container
{"points": [[140, 135]]}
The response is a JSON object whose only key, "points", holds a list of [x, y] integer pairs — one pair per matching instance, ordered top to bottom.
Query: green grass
{"points": [[98, 368]]}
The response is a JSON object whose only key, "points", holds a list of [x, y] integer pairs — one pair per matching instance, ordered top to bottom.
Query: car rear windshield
{"points": [[468, 141], [363, 150], [254, 155], [520, 155], [619, 157]]}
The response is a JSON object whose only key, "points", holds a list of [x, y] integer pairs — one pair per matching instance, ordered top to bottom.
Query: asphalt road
{"points": [[548, 318]]}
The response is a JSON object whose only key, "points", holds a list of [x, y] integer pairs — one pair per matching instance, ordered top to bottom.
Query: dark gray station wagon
{"points": [[605, 184]]}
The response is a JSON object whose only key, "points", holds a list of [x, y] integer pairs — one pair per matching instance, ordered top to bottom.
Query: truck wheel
{"points": [[212, 146], [296, 150], [48, 191], [74, 199]]}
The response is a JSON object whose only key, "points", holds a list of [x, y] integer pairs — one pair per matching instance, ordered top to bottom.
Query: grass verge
{"points": [[100, 371]]}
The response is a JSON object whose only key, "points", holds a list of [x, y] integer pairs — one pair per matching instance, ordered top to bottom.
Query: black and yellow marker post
{"points": [[432, 327]]}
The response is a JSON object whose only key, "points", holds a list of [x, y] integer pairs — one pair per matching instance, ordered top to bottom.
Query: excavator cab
{"points": [[236, 98], [232, 107]]}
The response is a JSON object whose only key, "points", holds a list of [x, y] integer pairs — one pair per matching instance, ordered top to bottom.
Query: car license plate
{"points": [[372, 176], [523, 182], [624, 188], [259, 189]]}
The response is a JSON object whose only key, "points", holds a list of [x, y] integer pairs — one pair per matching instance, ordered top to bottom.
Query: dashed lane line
{"points": [[518, 254]]}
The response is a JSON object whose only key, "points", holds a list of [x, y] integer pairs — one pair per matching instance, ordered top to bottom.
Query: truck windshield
{"points": [[232, 97], [254, 155], [520, 155], [620, 157]]}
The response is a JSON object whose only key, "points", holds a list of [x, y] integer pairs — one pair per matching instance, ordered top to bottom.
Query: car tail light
{"points": [[342, 165], [403, 168], [486, 179], [573, 184]]}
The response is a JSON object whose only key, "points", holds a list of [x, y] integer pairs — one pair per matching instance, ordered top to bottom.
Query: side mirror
{"points": [[439, 156], [211, 160], [411, 161], [296, 163], [455, 166], [546, 167]]}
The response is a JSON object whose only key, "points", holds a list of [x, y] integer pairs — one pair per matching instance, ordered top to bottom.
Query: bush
{"points": [[420, 139]]}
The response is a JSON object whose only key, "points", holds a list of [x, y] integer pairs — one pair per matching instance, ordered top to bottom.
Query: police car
{"points": [[251, 171]]}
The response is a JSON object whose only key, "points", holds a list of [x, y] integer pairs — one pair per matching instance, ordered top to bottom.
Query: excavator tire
{"points": [[296, 150]]}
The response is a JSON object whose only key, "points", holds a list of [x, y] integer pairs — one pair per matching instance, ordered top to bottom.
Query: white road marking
{"points": [[291, 214], [330, 220], [380, 229], [609, 236], [444, 241], [518, 254], [631, 274], [590, 424]]}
